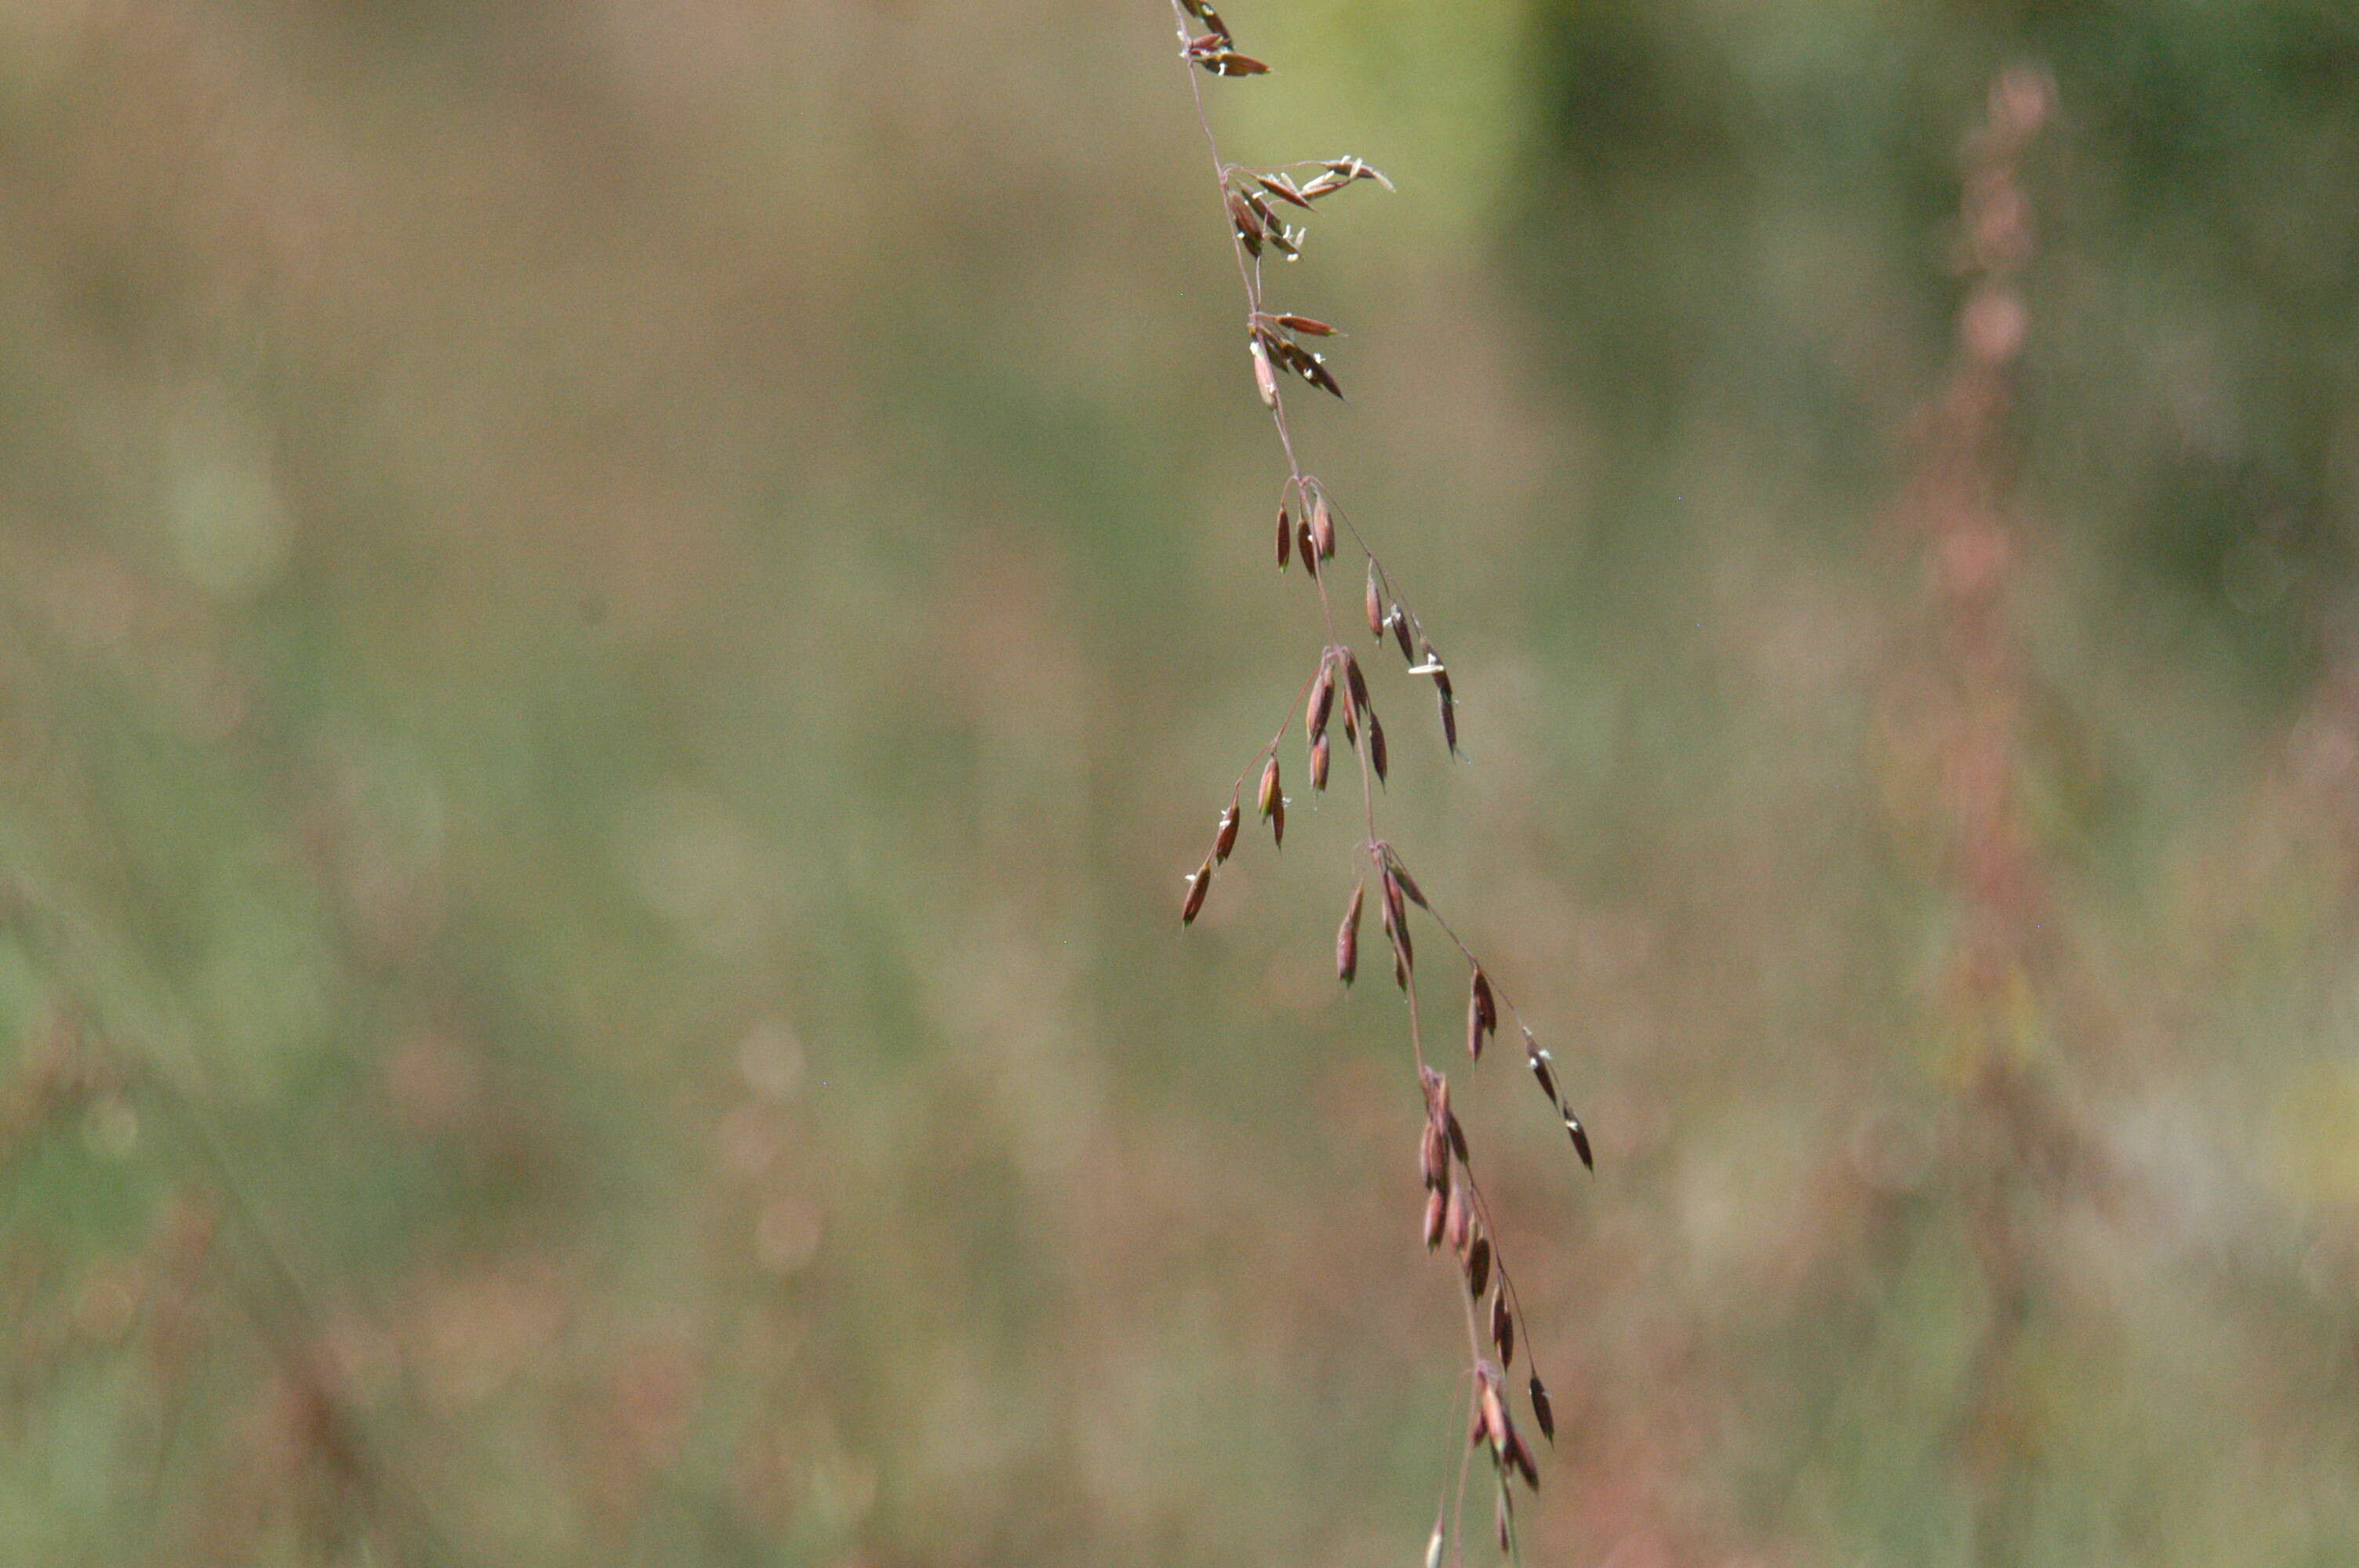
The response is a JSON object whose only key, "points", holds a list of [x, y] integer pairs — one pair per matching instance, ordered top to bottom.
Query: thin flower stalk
{"points": [[1268, 211]]}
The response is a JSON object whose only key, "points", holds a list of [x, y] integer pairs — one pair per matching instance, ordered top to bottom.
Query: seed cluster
{"points": [[1269, 209]]}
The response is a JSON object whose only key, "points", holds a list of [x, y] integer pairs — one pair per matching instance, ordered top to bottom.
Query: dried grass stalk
{"points": [[1268, 211]]}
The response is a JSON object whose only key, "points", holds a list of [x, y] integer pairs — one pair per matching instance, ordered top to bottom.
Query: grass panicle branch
{"points": [[1269, 210]]}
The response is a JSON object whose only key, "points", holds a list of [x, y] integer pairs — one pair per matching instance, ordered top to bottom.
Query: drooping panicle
{"points": [[1267, 212]]}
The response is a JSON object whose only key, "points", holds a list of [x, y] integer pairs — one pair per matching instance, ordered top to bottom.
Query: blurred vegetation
{"points": [[618, 623]]}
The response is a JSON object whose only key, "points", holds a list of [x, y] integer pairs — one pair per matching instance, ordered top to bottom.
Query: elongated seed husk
{"points": [[1222, 60], [1352, 168], [1283, 188], [1248, 230], [1264, 380], [1323, 526], [1285, 537], [1375, 605], [1400, 632], [1445, 696], [1322, 698], [1377, 756], [1319, 762], [1266, 798], [1225, 839], [1198, 886], [1347, 939], [1404, 950], [1481, 1013], [1540, 1065], [1580, 1141], [1433, 1157], [1435, 1213], [1454, 1219], [1478, 1266], [1503, 1328], [1541, 1410], [1496, 1425], [1520, 1458]]}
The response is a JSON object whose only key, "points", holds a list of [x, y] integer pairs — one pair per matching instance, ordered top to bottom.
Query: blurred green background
{"points": [[618, 621]]}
